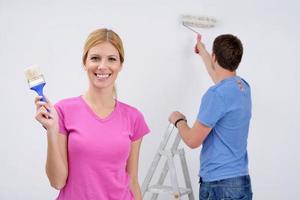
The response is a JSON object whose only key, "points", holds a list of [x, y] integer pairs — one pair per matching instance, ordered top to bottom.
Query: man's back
{"points": [[226, 107]]}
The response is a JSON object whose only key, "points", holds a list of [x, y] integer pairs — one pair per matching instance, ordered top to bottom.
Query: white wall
{"points": [[161, 74]]}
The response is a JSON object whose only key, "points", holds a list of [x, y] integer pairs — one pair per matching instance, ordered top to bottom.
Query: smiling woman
{"points": [[114, 43], [103, 65], [94, 139]]}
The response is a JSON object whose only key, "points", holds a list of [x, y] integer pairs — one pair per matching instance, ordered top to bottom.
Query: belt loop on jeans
{"points": [[200, 180]]}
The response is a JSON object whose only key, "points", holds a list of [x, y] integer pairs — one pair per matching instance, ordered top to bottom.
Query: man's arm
{"points": [[207, 59], [192, 137]]}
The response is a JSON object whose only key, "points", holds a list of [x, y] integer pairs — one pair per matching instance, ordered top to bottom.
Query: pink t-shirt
{"points": [[98, 149]]}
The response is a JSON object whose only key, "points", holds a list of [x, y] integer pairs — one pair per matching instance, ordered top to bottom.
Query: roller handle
{"points": [[198, 40]]}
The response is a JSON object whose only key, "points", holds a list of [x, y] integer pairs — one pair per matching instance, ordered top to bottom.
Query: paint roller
{"points": [[191, 22]]}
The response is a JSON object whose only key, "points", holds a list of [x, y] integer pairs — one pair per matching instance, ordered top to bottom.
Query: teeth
{"points": [[102, 75]]}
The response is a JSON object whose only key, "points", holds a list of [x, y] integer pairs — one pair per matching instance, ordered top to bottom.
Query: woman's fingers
{"points": [[39, 98], [36, 99], [48, 102], [40, 103], [43, 113]]}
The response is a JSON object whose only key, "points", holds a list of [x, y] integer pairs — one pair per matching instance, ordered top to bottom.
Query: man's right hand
{"points": [[199, 48]]}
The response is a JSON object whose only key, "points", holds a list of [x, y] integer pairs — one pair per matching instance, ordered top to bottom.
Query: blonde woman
{"points": [[94, 139]]}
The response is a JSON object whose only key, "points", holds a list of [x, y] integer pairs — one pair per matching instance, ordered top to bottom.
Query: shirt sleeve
{"points": [[212, 109], [61, 119], [140, 127]]}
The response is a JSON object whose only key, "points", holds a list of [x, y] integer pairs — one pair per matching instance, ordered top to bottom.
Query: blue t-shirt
{"points": [[226, 108]]}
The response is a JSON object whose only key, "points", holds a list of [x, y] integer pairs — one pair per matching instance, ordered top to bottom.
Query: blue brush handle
{"points": [[39, 90]]}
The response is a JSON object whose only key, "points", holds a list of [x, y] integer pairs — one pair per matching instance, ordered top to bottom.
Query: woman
{"points": [[94, 139]]}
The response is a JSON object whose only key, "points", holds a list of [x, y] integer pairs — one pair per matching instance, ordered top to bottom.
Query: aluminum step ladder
{"points": [[176, 191]]}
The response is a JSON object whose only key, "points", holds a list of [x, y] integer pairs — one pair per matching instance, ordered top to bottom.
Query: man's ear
{"points": [[213, 58]]}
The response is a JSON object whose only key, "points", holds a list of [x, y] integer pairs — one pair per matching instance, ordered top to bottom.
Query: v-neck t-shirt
{"points": [[98, 149]]}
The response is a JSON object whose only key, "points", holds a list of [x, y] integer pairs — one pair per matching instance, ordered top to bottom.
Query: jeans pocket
{"points": [[204, 193], [236, 194], [244, 197]]}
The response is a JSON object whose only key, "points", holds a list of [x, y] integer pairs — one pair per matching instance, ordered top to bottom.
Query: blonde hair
{"points": [[103, 35]]}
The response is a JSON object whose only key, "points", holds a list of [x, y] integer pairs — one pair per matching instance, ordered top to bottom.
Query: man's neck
{"points": [[222, 74]]}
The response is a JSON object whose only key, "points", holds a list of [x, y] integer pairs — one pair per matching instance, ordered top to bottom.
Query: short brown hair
{"points": [[228, 50]]}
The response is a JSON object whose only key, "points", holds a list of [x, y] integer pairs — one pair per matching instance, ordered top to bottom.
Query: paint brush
{"points": [[35, 80]]}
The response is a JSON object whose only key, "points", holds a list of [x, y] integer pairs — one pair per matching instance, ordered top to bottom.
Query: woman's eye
{"points": [[94, 58], [112, 59]]}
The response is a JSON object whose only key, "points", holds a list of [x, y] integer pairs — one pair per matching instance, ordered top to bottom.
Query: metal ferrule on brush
{"points": [[36, 81]]}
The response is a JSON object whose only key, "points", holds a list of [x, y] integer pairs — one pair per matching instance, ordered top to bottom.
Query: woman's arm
{"points": [[57, 162], [132, 169]]}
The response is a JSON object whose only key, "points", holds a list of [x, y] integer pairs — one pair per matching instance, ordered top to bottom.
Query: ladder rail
{"points": [[156, 159], [166, 166], [169, 166], [173, 175], [186, 175]]}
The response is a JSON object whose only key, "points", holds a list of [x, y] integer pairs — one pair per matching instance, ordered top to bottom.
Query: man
{"points": [[222, 124]]}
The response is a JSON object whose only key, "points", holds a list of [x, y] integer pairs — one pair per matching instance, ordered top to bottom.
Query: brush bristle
{"points": [[32, 72], [34, 76]]}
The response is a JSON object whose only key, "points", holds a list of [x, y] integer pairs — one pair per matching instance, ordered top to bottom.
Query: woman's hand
{"points": [[46, 114]]}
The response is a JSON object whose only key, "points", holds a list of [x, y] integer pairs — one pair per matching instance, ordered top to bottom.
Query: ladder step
{"points": [[167, 152], [168, 189]]}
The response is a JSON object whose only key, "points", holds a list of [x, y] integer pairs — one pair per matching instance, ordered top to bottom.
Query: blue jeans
{"points": [[237, 188]]}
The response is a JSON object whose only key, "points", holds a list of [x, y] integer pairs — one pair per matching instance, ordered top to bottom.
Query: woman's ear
{"points": [[121, 67]]}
